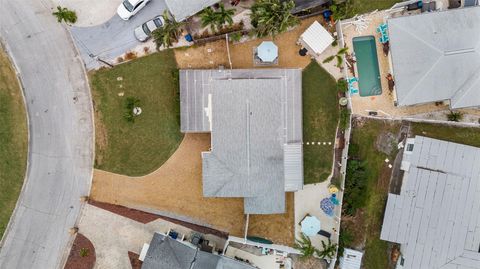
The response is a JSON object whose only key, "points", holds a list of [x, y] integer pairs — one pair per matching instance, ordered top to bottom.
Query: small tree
{"points": [[64, 14], [272, 17], [217, 18], [169, 33], [338, 56], [130, 104], [304, 244], [328, 250]]}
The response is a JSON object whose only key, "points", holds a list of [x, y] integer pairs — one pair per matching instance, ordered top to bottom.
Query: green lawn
{"points": [[365, 6], [320, 117], [13, 141], [139, 147], [376, 255]]}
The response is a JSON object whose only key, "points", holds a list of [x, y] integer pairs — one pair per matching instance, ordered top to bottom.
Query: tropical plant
{"points": [[64, 14], [272, 17], [217, 18], [169, 33], [235, 37], [338, 56], [342, 85], [455, 116], [304, 244], [328, 250], [84, 252]]}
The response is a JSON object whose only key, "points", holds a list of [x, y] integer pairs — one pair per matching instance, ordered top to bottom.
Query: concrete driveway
{"points": [[113, 38], [60, 155]]}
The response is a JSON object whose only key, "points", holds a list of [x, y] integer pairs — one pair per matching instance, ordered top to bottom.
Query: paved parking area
{"points": [[114, 37]]}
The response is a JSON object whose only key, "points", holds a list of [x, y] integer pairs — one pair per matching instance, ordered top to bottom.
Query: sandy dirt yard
{"points": [[214, 54], [175, 190]]}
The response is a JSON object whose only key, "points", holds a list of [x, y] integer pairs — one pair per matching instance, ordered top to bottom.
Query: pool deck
{"points": [[383, 104]]}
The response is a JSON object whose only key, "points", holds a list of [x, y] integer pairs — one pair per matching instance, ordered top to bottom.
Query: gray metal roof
{"points": [[182, 9], [436, 56], [255, 117], [436, 217], [165, 252]]}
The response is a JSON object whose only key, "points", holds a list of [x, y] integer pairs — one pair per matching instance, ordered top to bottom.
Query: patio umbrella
{"points": [[267, 51], [310, 225]]}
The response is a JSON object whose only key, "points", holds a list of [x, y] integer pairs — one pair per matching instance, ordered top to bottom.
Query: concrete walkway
{"points": [[60, 156]]}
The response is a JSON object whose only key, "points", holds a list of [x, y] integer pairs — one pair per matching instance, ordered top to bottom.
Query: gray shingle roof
{"points": [[182, 9], [436, 57], [255, 117], [436, 217], [165, 252]]}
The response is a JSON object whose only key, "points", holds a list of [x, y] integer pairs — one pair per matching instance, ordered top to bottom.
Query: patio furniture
{"points": [[267, 52], [303, 52], [310, 225], [325, 233]]}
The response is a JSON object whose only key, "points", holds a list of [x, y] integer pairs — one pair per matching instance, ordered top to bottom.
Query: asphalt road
{"points": [[114, 37], [60, 157]]}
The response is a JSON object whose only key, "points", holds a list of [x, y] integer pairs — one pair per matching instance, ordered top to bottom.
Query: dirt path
{"points": [[175, 190]]}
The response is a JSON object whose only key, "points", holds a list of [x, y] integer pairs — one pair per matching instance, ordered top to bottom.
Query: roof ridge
{"points": [[460, 94]]}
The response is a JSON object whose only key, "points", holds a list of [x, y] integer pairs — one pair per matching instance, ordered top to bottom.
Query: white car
{"points": [[128, 8], [144, 31]]}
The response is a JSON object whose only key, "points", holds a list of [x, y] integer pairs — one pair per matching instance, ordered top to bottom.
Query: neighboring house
{"points": [[182, 9], [436, 57], [255, 120], [436, 216], [165, 252]]}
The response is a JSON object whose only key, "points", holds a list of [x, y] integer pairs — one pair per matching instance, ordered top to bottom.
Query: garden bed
{"points": [[82, 255]]}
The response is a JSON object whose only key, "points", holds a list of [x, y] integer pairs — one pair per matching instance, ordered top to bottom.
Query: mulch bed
{"points": [[145, 217], [75, 260], [134, 261]]}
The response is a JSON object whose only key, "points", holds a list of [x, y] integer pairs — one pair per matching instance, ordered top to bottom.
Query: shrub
{"points": [[64, 14], [235, 37], [146, 49], [130, 55], [119, 59], [342, 85], [130, 104], [455, 116], [344, 119], [355, 187], [84, 252]]}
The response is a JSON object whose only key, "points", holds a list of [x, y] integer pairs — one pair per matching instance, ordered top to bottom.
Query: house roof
{"points": [[307, 4], [182, 9], [316, 38], [436, 57], [255, 117], [436, 216], [165, 252], [352, 259]]}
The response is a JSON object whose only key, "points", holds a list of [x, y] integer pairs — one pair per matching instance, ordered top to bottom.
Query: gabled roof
{"points": [[182, 9], [436, 57], [255, 120], [436, 217], [165, 252]]}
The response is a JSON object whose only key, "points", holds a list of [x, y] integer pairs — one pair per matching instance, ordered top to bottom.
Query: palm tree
{"points": [[64, 14], [272, 17], [209, 18], [216, 19], [169, 33], [338, 56], [304, 244], [328, 250]]}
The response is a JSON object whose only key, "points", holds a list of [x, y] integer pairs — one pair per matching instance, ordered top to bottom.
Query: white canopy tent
{"points": [[316, 39]]}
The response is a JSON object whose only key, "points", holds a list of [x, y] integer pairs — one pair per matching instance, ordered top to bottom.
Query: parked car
{"points": [[128, 8], [144, 31]]}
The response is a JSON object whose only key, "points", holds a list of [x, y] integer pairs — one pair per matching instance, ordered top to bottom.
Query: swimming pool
{"points": [[367, 65]]}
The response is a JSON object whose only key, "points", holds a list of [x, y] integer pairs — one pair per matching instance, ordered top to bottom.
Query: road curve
{"points": [[60, 157]]}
